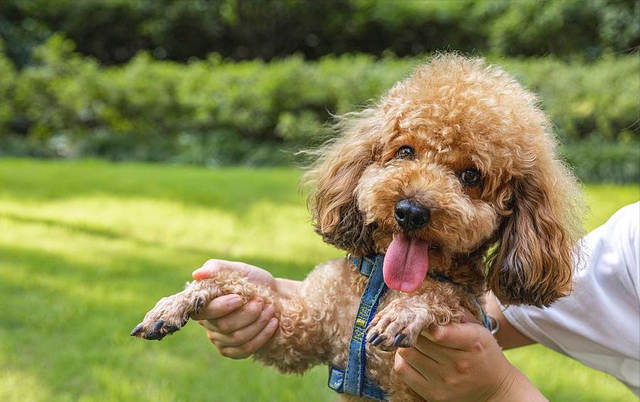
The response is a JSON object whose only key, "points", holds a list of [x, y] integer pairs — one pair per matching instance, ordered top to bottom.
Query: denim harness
{"points": [[352, 380]]}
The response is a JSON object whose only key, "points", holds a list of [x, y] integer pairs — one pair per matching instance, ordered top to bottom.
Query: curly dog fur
{"points": [[513, 233]]}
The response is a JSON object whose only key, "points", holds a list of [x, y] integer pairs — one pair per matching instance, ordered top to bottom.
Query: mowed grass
{"points": [[86, 248]]}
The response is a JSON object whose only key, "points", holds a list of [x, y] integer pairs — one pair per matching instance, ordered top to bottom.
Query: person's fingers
{"points": [[219, 307], [240, 318], [208, 325], [244, 335], [462, 336], [247, 349], [431, 350], [442, 355], [422, 363], [409, 375]]}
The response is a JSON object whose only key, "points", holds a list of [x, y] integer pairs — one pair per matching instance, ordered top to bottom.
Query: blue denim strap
{"points": [[366, 264], [354, 375], [370, 389]]}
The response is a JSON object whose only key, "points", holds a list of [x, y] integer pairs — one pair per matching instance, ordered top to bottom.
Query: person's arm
{"points": [[238, 330], [508, 336]]}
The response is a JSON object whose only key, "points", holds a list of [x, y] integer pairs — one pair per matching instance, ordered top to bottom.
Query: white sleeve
{"points": [[599, 323]]}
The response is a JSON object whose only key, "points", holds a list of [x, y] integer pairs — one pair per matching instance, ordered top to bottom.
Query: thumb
{"points": [[212, 266], [202, 273]]}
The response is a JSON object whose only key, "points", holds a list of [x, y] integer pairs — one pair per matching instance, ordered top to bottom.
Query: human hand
{"points": [[237, 330], [462, 362]]}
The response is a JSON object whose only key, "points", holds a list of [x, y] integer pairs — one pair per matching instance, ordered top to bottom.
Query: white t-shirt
{"points": [[599, 323]]}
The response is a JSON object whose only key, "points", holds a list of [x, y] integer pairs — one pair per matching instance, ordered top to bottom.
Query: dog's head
{"points": [[456, 159]]}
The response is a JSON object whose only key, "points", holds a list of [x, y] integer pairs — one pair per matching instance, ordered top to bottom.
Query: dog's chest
{"points": [[378, 361]]}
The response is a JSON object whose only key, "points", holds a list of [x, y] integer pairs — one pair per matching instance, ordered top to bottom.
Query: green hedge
{"points": [[218, 112], [595, 160]]}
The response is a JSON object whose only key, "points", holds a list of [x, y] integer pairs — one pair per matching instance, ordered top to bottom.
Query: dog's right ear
{"points": [[335, 176], [538, 241]]}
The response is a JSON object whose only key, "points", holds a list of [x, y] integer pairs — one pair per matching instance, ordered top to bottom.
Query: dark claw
{"points": [[199, 303], [158, 325], [171, 328], [137, 329], [372, 336], [399, 338], [379, 339]]}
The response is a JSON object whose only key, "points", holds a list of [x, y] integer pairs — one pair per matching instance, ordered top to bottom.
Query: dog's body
{"points": [[453, 170]]}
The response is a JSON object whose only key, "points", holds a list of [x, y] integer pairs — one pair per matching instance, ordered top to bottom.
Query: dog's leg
{"points": [[173, 312], [315, 322], [400, 322], [302, 340]]}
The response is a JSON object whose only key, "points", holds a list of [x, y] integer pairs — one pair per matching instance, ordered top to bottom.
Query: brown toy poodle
{"points": [[453, 181]]}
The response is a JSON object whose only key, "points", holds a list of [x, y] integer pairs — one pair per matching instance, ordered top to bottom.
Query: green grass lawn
{"points": [[86, 248]]}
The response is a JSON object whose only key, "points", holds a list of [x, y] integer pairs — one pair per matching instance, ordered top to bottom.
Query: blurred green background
{"points": [[245, 82], [223, 93]]}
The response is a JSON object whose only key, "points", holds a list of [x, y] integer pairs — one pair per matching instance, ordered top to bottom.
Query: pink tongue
{"points": [[406, 263]]}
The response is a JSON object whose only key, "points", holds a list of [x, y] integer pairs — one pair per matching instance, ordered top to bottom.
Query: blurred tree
{"points": [[561, 27], [113, 31], [7, 77]]}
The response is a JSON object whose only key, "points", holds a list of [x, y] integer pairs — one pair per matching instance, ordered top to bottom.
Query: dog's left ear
{"points": [[335, 176], [537, 242]]}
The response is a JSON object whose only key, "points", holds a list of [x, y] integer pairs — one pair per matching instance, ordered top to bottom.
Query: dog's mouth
{"points": [[406, 262]]}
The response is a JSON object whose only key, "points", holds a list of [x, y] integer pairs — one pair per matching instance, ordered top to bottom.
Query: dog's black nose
{"points": [[411, 215]]}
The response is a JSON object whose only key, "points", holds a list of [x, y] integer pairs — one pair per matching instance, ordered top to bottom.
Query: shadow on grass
{"points": [[73, 227], [279, 266]]}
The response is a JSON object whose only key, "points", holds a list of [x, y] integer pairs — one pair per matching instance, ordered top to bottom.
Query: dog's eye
{"points": [[405, 152], [470, 177]]}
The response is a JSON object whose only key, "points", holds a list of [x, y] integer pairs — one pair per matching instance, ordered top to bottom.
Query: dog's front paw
{"points": [[169, 315], [398, 325]]}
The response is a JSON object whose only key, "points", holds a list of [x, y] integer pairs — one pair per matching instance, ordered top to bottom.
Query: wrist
{"points": [[286, 287], [508, 337], [516, 387]]}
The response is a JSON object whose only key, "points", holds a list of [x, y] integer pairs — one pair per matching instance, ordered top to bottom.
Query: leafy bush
{"points": [[599, 99], [220, 112], [595, 160]]}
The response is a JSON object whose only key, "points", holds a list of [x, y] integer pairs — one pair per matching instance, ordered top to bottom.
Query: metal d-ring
{"points": [[495, 324]]}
